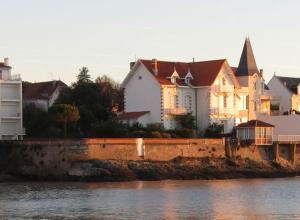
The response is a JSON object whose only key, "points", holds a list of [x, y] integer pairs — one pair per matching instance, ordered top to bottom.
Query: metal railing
{"points": [[16, 77], [221, 88], [175, 111], [218, 111]]}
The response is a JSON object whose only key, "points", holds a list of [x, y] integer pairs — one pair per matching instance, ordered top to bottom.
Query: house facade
{"points": [[213, 91], [43, 94], [286, 94], [11, 122]]}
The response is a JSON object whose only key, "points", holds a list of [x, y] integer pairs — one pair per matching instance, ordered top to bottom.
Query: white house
{"points": [[213, 91], [286, 93], [43, 94], [11, 121]]}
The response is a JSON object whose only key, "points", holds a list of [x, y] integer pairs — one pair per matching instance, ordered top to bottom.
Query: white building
{"points": [[213, 91], [286, 94], [11, 121]]}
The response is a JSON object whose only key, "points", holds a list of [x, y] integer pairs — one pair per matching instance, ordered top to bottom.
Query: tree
{"points": [[83, 76], [64, 113], [186, 121]]}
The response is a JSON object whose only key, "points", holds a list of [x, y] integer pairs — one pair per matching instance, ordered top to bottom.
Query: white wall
{"points": [[277, 89], [143, 93], [11, 106], [202, 108], [284, 124]]}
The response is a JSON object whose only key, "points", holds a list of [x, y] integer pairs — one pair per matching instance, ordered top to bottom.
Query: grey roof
{"points": [[247, 65], [290, 82]]}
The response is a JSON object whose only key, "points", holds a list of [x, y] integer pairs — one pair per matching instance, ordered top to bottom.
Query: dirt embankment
{"points": [[179, 168]]}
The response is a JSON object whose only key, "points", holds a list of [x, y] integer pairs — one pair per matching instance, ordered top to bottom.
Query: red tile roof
{"points": [[2, 65], [204, 73], [42, 90], [131, 115], [254, 123]]}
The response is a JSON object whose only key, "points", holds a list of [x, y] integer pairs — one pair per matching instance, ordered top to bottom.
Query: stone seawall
{"points": [[120, 149], [124, 159]]}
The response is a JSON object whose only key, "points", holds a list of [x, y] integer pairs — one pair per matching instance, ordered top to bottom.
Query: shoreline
{"points": [[177, 169]]}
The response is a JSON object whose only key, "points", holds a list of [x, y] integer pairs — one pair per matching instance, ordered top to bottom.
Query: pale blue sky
{"points": [[59, 36]]}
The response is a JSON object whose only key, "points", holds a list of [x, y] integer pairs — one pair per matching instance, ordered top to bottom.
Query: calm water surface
{"points": [[217, 199]]}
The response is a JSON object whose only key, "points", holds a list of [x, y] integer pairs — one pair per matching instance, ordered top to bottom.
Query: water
{"points": [[217, 199]]}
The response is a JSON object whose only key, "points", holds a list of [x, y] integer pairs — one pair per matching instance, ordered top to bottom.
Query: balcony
{"points": [[11, 79], [222, 89], [175, 111], [221, 111], [242, 113], [16, 116]]}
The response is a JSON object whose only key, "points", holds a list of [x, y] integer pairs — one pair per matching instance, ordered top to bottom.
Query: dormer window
{"points": [[174, 76], [188, 77]]}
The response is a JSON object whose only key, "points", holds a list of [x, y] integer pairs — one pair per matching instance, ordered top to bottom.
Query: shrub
{"points": [[215, 130]]}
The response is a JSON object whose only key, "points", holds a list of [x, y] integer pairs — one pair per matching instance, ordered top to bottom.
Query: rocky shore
{"points": [[179, 168]]}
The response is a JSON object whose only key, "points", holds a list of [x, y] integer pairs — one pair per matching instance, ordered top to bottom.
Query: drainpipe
{"points": [[196, 109]]}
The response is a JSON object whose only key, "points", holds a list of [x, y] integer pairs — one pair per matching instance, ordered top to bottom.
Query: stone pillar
{"points": [[276, 151], [293, 153]]}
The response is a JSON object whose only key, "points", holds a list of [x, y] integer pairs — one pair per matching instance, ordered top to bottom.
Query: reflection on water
{"points": [[218, 199]]}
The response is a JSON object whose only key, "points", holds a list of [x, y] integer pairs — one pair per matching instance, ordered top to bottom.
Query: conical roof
{"points": [[247, 65]]}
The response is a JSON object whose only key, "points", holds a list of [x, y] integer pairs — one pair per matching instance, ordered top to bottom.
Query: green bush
{"points": [[215, 130]]}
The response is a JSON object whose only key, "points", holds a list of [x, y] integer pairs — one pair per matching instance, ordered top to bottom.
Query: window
{"points": [[140, 77], [173, 79], [187, 80], [223, 81], [224, 101], [244, 101], [188, 103], [263, 135]]}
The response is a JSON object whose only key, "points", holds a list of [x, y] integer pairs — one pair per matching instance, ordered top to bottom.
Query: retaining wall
{"points": [[119, 149]]}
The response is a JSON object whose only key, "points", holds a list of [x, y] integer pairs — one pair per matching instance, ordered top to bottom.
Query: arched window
{"points": [[188, 102]]}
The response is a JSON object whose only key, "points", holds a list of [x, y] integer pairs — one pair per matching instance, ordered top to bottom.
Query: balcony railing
{"points": [[16, 77], [222, 89], [175, 111], [221, 111], [242, 113], [287, 138]]}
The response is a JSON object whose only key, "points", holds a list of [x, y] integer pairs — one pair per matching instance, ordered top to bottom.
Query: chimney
{"points": [[6, 61], [131, 65], [155, 66], [261, 71]]}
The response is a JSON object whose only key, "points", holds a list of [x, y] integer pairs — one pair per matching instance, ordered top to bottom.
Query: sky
{"points": [[53, 39]]}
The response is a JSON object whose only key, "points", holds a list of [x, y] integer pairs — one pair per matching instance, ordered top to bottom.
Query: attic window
{"points": [[188, 77], [173, 79], [187, 80], [223, 81]]}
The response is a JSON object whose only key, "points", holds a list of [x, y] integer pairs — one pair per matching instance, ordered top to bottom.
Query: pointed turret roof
{"points": [[247, 65]]}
